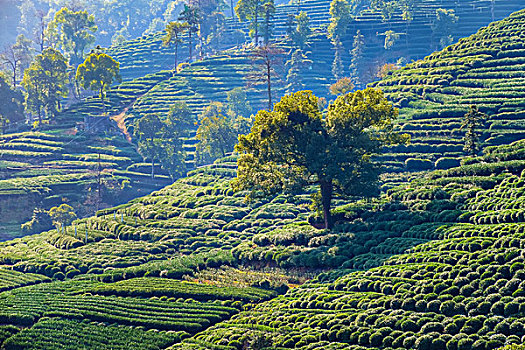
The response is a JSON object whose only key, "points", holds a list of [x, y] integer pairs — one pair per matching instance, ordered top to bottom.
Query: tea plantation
{"points": [[147, 55], [485, 70], [436, 261], [462, 290]]}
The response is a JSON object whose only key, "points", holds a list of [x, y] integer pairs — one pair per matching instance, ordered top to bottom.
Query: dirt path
{"points": [[119, 118]]}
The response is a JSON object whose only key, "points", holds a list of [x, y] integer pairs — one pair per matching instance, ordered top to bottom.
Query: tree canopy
{"points": [[251, 10], [339, 20], [73, 31], [98, 72], [45, 83], [11, 108], [216, 133], [160, 139], [294, 146], [62, 215]]}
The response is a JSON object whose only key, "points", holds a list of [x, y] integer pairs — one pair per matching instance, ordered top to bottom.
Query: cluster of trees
{"points": [[116, 21], [53, 65], [220, 126], [160, 138]]}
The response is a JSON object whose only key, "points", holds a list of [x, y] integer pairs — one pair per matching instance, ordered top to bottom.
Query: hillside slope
{"points": [[147, 55], [485, 69], [63, 161], [166, 266], [463, 291]]}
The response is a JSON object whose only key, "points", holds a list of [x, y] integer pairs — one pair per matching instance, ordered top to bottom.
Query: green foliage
{"points": [[250, 10], [191, 15], [339, 20], [444, 25], [72, 31], [174, 32], [301, 32], [298, 64], [98, 72], [45, 83], [11, 109], [473, 120], [216, 134], [161, 139], [313, 149], [62, 215], [40, 221]]}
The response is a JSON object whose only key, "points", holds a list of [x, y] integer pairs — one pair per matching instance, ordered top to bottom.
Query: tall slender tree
{"points": [[250, 10], [268, 10], [192, 16], [174, 32], [267, 63], [472, 122]]}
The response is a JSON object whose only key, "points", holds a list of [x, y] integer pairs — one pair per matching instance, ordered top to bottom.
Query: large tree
{"points": [[73, 31], [174, 32], [98, 72], [45, 83], [294, 146]]}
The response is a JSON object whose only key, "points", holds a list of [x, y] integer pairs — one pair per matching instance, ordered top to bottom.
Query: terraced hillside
{"points": [[147, 54], [485, 69], [64, 161], [167, 266], [464, 290]]}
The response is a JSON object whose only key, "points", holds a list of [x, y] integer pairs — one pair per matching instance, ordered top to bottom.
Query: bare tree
{"points": [[40, 31], [17, 57], [267, 63]]}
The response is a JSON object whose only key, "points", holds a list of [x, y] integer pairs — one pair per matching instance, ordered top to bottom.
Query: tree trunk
{"points": [[233, 10], [256, 22], [267, 33], [189, 39], [176, 54], [269, 81], [152, 168], [326, 200]]}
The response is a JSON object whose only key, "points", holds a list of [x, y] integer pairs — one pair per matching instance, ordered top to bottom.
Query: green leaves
{"points": [[73, 31], [98, 72], [45, 83], [293, 145]]}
